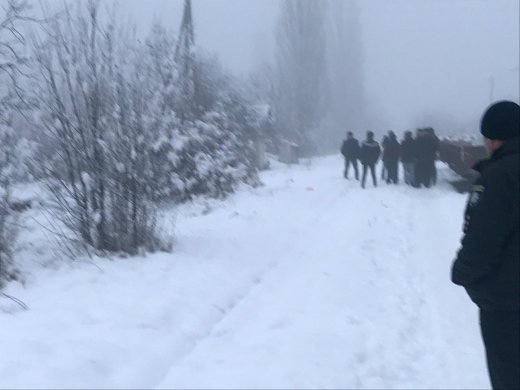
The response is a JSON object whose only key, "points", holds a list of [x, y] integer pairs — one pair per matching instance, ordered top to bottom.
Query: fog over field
{"points": [[425, 61]]}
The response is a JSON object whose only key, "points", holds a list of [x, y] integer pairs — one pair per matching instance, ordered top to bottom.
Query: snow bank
{"points": [[305, 282]]}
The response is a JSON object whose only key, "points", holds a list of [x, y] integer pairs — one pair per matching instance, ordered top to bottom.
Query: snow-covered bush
{"points": [[94, 111], [132, 123], [201, 148], [205, 157], [213, 158], [7, 229], [6, 236]]}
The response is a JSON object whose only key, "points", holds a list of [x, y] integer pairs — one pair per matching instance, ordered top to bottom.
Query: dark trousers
{"points": [[348, 162], [372, 168], [392, 172], [409, 173], [423, 173], [434, 174], [501, 334]]}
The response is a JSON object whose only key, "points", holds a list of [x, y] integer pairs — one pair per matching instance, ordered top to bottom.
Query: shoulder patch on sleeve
{"points": [[476, 194]]}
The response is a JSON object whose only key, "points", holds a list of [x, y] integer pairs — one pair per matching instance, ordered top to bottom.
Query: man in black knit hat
{"points": [[369, 155], [487, 264]]}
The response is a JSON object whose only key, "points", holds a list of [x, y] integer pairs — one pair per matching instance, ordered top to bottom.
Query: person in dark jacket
{"points": [[436, 146], [425, 147], [350, 150], [369, 155], [408, 157], [391, 158], [384, 172], [487, 264]]}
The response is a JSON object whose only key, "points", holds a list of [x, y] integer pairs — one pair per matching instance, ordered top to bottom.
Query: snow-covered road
{"points": [[307, 282]]}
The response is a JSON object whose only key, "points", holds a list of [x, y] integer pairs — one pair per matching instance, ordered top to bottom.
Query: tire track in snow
{"points": [[212, 331], [415, 334], [385, 346], [396, 357], [371, 361]]}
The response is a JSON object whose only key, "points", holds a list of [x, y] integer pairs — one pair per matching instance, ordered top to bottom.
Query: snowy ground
{"points": [[307, 282]]}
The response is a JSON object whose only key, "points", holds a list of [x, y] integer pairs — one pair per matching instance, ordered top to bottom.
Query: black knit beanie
{"points": [[501, 121]]}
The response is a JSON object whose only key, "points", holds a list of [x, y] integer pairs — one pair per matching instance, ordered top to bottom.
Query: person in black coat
{"points": [[436, 146], [426, 149], [350, 150], [369, 155], [391, 158], [408, 158], [384, 172], [487, 264]]}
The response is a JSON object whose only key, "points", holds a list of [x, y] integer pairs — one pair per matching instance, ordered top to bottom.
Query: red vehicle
{"points": [[461, 156]]}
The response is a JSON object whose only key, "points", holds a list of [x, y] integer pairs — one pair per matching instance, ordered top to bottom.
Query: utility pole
{"points": [[186, 33], [186, 65]]}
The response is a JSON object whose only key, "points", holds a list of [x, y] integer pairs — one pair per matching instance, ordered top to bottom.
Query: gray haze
{"points": [[437, 62]]}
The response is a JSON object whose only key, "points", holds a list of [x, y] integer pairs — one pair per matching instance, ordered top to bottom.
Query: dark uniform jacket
{"points": [[426, 147], [350, 149], [391, 151], [370, 152], [408, 152], [487, 265]]}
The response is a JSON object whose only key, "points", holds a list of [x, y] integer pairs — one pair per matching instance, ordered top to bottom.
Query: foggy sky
{"points": [[439, 56], [426, 61]]}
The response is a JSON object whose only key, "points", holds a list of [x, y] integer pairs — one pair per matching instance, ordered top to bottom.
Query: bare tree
{"points": [[12, 42], [185, 59], [12, 65], [301, 71], [346, 90], [95, 113], [7, 229]]}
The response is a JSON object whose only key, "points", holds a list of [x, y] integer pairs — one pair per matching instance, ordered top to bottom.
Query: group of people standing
{"points": [[417, 154]]}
